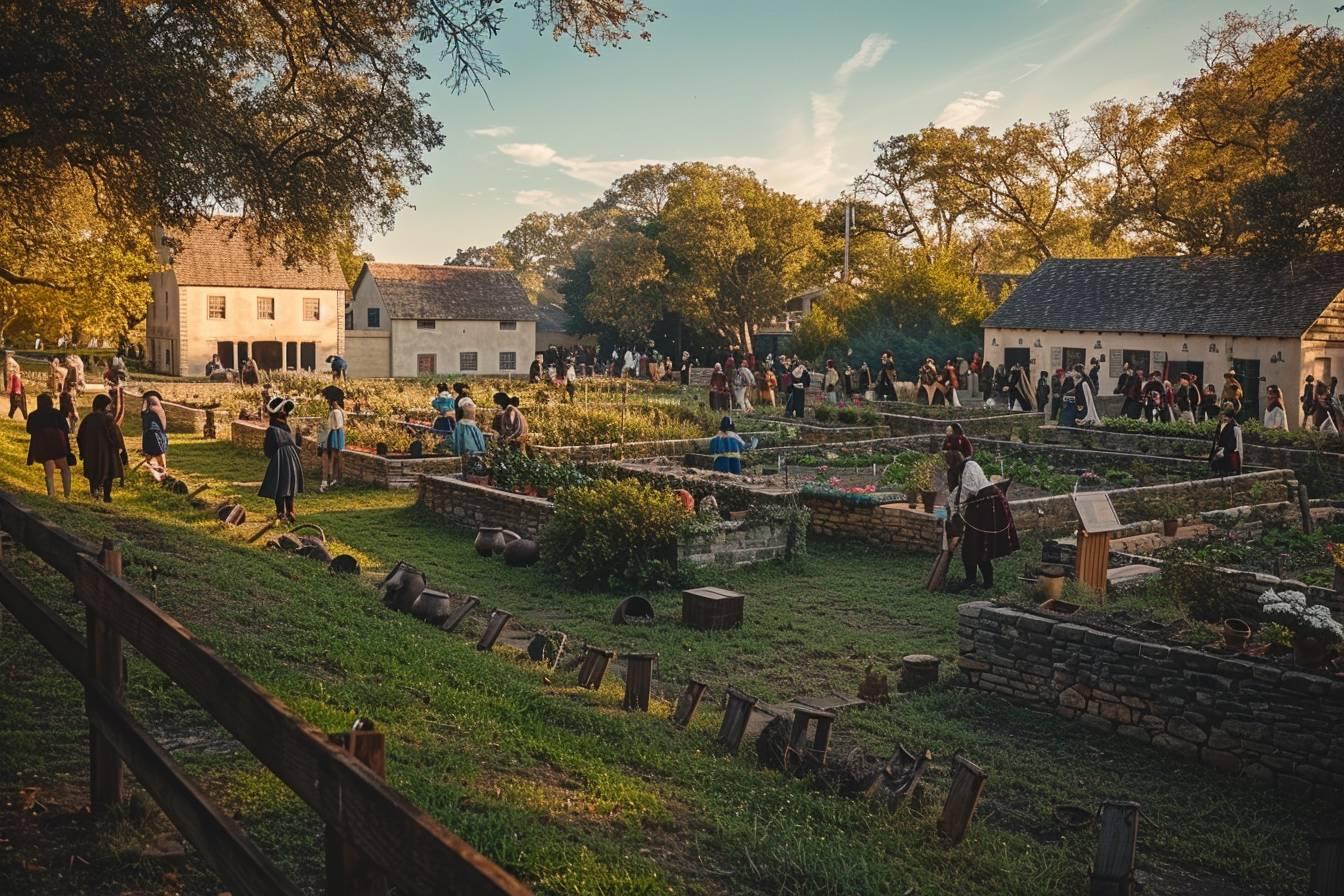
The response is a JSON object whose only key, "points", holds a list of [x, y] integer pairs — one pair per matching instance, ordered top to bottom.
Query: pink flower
{"points": [[834, 482]]}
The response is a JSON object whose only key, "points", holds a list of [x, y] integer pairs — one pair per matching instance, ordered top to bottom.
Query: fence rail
{"points": [[372, 830]]}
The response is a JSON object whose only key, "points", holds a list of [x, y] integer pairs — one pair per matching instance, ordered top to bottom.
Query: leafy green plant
{"points": [[824, 413], [847, 415], [869, 417], [922, 473], [618, 534], [1277, 634]]}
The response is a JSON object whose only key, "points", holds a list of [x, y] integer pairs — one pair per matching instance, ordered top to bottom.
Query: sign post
{"points": [[1096, 521]]}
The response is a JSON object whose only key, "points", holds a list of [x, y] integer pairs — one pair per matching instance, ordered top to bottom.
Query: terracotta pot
{"points": [[687, 499], [1169, 527], [506, 537], [486, 539], [523, 552], [1052, 585], [1062, 607], [1236, 632], [1309, 651]]}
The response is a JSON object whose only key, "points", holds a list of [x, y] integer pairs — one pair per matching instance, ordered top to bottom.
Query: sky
{"points": [[796, 90]]}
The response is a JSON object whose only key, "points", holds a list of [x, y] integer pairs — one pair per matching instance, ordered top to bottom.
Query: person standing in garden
{"points": [[685, 368], [339, 369], [55, 375], [250, 375], [886, 378], [571, 379], [800, 379], [987, 380], [830, 383], [765, 385], [1059, 386], [742, 387], [718, 389], [1232, 393], [18, 399], [1043, 403], [444, 406], [1275, 416], [510, 424], [153, 434], [467, 436], [331, 439], [954, 439], [49, 443], [727, 447], [102, 450], [1225, 455], [284, 469], [979, 517]]}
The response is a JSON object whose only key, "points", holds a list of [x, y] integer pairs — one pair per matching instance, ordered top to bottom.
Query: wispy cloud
{"points": [[1107, 27], [1031, 69], [967, 109], [500, 131], [809, 170], [544, 199]]}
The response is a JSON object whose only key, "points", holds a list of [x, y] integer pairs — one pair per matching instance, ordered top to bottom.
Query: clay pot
{"points": [[687, 499], [927, 499], [1169, 527], [486, 538], [506, 538], [523, 552], [344, 563], [1052, 583], [402, 586], [432, 607], [633, 611], [1236, 632], [1309, 651]]}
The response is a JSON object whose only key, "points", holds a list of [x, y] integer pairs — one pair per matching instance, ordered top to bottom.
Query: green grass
{"points": [[562, 787]]}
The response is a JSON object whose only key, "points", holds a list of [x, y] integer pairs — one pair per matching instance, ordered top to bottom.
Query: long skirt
{"points": [[1068, 413], [1227, 465], [284, 474], [989, 530]]}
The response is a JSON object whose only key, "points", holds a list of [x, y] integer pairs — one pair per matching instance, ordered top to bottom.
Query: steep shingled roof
{"points": [[221, 252], [446, 292], [1198, 296]]}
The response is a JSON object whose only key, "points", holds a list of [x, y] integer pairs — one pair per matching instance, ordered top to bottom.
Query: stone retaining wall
{"points": [[999, 426], [629, 450], [356, 466], [1322, 471], [882, 525], [740, 543], [1238, 714]]}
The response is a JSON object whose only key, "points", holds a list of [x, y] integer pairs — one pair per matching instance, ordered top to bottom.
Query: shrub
{"points": [[824, 413], [848, 416], [618, 534]]}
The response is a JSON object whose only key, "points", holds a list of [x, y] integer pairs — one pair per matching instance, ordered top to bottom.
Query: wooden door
{"points": [[268, 355], [425, 365], [1248, 373]]}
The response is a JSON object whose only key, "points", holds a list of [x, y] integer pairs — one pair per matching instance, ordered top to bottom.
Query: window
{"points": [[214, 307], [265, 308], [312, 308], [374, 317], [349, 320], [424, 324], [508, 325], [225, 352], [291, 355], [308, 355], [1072, 357], [508, 360], [466, 361], [1138, 361], [426, 364]]}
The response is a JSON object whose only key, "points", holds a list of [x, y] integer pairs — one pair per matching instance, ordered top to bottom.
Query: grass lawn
{"points": [[560, 785]]}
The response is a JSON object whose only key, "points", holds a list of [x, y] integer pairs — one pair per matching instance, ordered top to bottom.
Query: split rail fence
{"points": [[374, 835]]}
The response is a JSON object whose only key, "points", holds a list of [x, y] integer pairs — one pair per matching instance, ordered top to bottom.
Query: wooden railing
{"points": [[373, 834]]}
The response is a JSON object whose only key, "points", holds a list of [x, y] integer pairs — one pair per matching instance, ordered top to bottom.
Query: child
{"points": [[444, 405], [153, 434], [331, 441], [101, 448], [284, 472]]}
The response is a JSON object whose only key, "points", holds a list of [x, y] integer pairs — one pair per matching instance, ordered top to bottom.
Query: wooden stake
{"points": [[968, 780], [106, 781], [349, 871]]}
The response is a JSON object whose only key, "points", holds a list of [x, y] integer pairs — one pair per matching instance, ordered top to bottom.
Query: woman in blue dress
{"points": [[154, 435], [727, 448], [284, 470]]}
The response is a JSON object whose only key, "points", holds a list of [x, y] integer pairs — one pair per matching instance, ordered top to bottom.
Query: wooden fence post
{"points": [[106, 781], [349, 871]]}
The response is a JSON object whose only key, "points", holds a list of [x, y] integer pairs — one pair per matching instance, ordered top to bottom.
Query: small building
{"points": [[219, 293], [1201, 315], [428, 319], [554, 323], [772, 337]]}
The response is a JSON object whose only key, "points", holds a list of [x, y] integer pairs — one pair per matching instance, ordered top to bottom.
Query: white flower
{"points": [[1291, 609]]}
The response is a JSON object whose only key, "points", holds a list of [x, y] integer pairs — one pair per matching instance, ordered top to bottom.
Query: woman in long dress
{"points": [[154, 435], [49, 443], [102, 450], [1225, 454], [284, 470], [979, 515]]}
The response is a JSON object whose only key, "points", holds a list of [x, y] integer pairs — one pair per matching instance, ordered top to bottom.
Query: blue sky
{"points": [[797, 90]]}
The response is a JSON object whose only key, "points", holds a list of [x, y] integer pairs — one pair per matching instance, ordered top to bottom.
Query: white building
{"points": [[218, 294], [1203, 316], [428, 319]]}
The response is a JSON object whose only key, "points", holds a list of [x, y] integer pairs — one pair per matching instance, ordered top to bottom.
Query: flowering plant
{"points": [[1336, 552], [1290, 608]]}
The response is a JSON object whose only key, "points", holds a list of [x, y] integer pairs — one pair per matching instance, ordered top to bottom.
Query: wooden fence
{"points": [[374, 836]]}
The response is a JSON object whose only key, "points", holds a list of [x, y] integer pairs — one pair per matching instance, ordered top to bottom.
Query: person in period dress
{"points": [[55, 375], [886, 378], [743, 380], [800, 380], [830, 383], [1060, 383], [765, 385], [1129, 385], [718, 389], [1019, 389], [930, 392], [1043, 393], [1232, 393], [1153, 396], [18, 398], [1187, 399], [1275, 416], [1325, 416], [445, 419], [510, 424], [154, 434], [467, 436], [954, 439], [331, 440], [49, 443], [727, 446], [102, 450], [1225, 453], [284, 470], [978, 515]]}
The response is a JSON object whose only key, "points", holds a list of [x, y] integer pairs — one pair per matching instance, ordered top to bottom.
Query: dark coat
{"points": [[49, 436], [102, 449], [284, 473]]}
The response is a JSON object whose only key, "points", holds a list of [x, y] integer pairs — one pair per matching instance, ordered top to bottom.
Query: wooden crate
{"points": [[710, 609]]}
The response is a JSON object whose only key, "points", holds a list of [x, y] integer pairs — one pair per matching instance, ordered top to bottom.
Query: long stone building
{"points": [[1177, 314]]}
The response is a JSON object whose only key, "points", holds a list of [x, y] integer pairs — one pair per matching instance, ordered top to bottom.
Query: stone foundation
{"points": [[398, 471], [883, 525], [739, 543], [1238, 714]]}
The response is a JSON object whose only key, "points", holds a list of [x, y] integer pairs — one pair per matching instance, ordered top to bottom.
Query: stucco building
{"points": [[217, 293], [1199, 315], [429, 319]]}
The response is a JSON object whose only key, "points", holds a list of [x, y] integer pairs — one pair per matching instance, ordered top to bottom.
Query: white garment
{"points": [[1091, 418], [1275, 418], [1327, 425], [973, 480]]}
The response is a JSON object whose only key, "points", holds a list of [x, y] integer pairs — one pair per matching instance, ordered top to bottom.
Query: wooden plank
{"points": [[53, 545], [50, 630], [968, 780], [107, 785], [226, 847], [419, 854], [1327, 866], [1113, 870], [349, 871]]}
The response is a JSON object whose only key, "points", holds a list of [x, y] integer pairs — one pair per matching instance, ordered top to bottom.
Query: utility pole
{"points": [[849, 223]]}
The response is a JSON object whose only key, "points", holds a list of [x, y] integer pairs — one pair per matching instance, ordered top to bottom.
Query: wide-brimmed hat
{"points": [[151, 393], [333, 393], [280, 405], [726, 424]]}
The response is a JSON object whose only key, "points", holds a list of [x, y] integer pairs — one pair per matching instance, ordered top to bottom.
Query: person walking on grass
{"points": [[55, 375], [18, 399], [153, 434], [331, 439], [49, 443], [102, 449], [284, 471]]}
